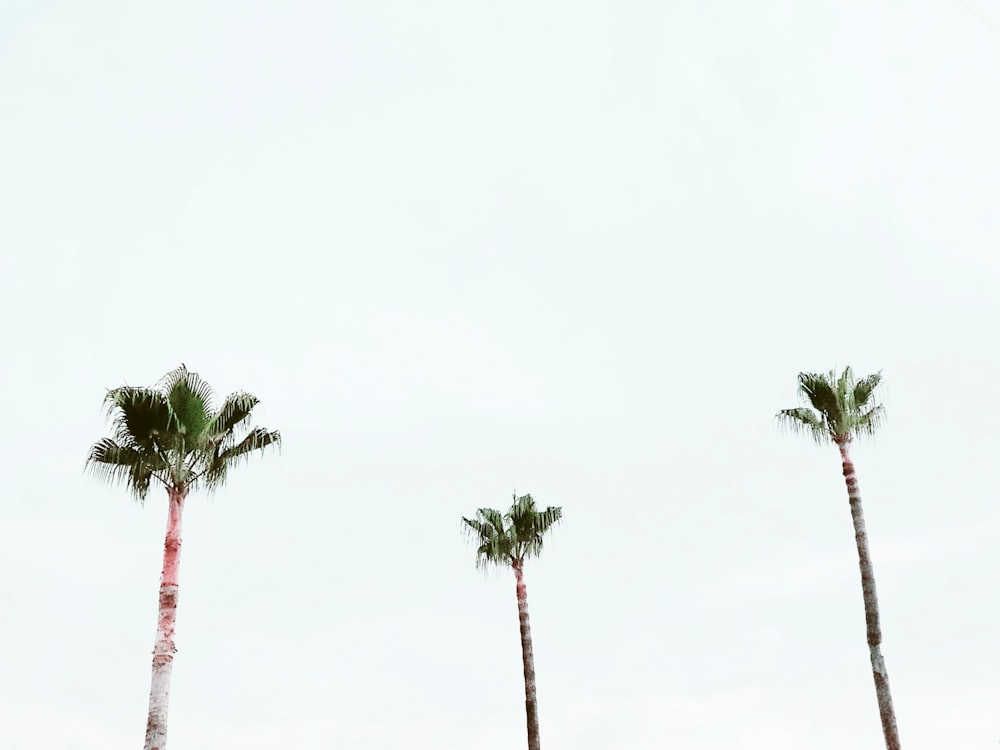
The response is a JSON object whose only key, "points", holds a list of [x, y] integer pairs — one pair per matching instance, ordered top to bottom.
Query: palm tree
{"points": [[842, 408], [173, 434], [508, 539]]}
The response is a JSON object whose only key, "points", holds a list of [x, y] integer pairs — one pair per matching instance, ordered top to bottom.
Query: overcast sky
{"points": [[458, 249]]}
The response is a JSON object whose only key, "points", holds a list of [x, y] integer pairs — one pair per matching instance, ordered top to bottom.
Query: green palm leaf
{"points": [[839, 407], [233, 412], [140, 417], [171, 433], [508, 538]]}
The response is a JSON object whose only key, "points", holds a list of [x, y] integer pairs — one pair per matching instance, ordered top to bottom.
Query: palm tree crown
{"points": [[842, 407], [173, 433], [509, 538]]}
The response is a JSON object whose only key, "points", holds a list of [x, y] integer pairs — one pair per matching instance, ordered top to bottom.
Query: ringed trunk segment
{"points": [[874, 630], [163, 649], [528, 659]]}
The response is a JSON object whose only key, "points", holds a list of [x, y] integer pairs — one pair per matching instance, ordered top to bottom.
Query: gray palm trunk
{"points": [[528, 657], [888, 715]]}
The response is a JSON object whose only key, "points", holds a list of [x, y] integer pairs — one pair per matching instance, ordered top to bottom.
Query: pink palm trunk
{"points": [[163, 651], [528, 658]]}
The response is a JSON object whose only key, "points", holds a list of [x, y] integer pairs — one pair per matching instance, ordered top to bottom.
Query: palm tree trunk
{"points": [[163, 651], [528, 657], [879, 672]]}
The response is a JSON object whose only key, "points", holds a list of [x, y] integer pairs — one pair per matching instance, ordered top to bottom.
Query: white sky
{"points": [[580, 249]]}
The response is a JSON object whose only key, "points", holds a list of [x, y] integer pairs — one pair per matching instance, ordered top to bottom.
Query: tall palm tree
{"points": [[841, 409], [173, 434], [508, 539]]}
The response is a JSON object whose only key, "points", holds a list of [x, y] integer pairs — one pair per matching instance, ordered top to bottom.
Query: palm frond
{"points": [[192, 380], [844, 384], [865, 387], [819, 391], [191, 400], [843, 406], [233, 412], [140, 416], [804, 421], [869, 421], [170, 432], [256, 440], [217, 462], [116, 463], [521, 516], [494, 518], [546, 519], [528, 525], [480, 529], [504, 539], [493, 544], [494, 550]]}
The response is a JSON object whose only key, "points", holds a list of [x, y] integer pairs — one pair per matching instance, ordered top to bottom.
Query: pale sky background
{"points": [[580, 249]]}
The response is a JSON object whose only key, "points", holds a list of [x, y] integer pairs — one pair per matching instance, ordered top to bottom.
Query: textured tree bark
{"points": [[163, 650], [528, 657], [885, 709]]}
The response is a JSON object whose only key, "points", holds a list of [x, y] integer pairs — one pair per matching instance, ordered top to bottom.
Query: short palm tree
{"points": [[841, 408], [172, 433], [508, 539]]}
